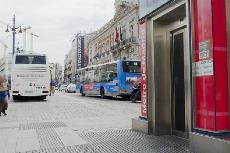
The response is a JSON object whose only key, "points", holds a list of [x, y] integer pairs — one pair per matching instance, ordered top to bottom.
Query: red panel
{"points": [[220, 64], [204, 85], [211, 91]]}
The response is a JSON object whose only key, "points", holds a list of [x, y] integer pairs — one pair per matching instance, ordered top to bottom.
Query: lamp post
{"points": [[13, 29]]}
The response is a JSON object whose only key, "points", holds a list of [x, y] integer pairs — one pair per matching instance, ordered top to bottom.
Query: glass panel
{"points": [[23, 59], [132, 67]]}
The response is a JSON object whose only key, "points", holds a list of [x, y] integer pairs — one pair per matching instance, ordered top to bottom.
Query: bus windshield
{"points": [[30, 59], [131, 67]]}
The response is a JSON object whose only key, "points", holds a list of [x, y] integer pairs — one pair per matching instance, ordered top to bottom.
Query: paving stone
{"points": [[44, 125], [69, 137], [48, 138], [27, 140], [123, 141]]}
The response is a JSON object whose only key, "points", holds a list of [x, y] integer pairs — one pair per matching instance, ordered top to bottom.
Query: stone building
{"points": [[87, 38], [118, 38], [75, 58], [5, 61], [68, 67], [58, 73]]}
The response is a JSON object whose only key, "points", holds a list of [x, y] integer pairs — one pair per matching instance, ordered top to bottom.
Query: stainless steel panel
{"points": [[159, 69], [162, 75]]}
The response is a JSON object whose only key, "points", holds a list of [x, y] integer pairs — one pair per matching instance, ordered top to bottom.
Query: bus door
{"points": [[112, 83]]}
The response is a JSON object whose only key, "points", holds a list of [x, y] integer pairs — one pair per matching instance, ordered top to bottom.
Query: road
{"points": [[70, 123]]}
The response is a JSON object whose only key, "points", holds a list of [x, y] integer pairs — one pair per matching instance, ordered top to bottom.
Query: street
{"points": [[71, 123]]}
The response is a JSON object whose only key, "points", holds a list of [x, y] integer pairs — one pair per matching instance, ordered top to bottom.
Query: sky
{"points": [[54, 21]]}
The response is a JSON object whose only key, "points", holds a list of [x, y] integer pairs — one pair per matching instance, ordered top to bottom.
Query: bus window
{"points": [[24, 59], [39, 60], [131, 67], [96, 74], [82, 76], [111, 76]]}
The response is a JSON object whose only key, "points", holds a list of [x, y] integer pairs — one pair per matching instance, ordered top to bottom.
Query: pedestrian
{"points": [[52, 90], [4, 92]]}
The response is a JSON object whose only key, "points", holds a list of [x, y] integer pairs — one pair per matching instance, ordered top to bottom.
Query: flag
{"points": [[120, 35], [117, 36]]}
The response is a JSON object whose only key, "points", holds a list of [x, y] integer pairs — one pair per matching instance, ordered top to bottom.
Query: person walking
{"points": [[52, 90], [4, 92]]}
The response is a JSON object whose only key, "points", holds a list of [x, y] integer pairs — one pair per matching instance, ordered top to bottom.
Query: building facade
{"points": [[87, 38], [117, 39], [185, 47], [75, 58], [5, 61], [5, 66], [68, 67], [52, 72]]}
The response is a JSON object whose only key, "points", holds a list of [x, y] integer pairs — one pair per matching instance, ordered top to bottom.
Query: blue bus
{"points": [[110, 79]]}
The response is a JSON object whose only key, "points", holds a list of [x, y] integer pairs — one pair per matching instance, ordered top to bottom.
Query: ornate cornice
{"points": [[122, 12]]}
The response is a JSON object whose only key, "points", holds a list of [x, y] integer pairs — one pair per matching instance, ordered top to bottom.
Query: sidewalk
{"points": [[67, 123], [57, 137]]}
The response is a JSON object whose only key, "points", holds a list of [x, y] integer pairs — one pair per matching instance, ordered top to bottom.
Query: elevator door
{"points": [[178, 82]]}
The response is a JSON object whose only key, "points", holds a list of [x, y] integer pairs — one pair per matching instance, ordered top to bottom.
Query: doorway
{"points": [[171, 62], [178, 82]]}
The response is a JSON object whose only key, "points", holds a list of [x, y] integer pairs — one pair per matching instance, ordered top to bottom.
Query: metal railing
{"points": [[127, 41]]}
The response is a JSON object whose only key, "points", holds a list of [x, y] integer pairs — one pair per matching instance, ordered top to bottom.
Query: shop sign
{"points": [[148, 6], [142, 38], [203, 68]]}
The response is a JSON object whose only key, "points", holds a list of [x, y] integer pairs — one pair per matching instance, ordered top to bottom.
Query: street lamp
{"points": [[13, 29]]}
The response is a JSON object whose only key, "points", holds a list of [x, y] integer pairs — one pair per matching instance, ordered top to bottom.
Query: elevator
{"points": [[171, 72]]}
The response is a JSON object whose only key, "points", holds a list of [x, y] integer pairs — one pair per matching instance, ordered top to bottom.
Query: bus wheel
{"points": [[81, 91], [102, 93], [126, 97], [15, 98], [42, 98], [133, 99]]}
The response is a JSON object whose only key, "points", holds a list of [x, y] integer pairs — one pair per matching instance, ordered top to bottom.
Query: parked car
{"points": [[63, 87], [71, 88]]}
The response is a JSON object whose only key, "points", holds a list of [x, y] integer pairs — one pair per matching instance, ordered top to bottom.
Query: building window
{"points": [[131, 31], [124, 34], [113, 39]]}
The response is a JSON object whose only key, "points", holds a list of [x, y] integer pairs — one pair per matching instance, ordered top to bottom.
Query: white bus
{"points": [[30, 76]]}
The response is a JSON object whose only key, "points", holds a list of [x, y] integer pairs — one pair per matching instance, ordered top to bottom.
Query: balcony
{"points": [[132, 40], [127, 42], [114, 47], [98, 55]]}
